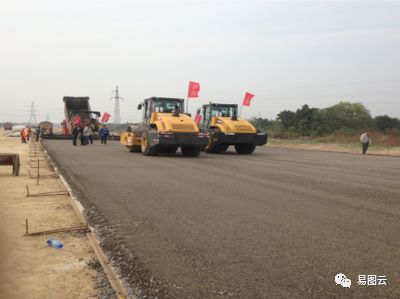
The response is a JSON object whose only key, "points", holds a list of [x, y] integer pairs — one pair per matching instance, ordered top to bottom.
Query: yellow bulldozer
{"points": [[221, 123], [164, 128]]}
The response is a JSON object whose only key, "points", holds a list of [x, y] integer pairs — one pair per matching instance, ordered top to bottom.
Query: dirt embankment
{"points": [[28, 267]]}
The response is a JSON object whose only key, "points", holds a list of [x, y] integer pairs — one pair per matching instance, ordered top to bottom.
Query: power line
{"points": [[116, 98], [32, 117]]}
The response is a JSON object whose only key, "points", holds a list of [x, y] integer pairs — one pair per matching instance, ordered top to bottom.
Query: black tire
{"points": [[145, 147], [214, 147], [135, 149], [245, 149], [191, 151]]}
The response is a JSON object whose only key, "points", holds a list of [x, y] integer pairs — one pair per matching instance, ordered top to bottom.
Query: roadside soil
{"points": [[334, 147], [29, 268]]}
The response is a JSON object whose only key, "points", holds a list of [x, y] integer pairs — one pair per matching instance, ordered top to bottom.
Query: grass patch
{"points": [[350, 140]]}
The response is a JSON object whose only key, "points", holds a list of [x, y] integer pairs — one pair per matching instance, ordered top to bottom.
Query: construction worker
{"points": [[38, 131], [21, 133], [27, 133], [75, 133], [87, 133], [104, 133], [91, 134], [82, 137], [365, 140]]}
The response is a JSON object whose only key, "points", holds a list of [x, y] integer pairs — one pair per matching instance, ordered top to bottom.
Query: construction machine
{"points": [[77, 111], [46, 128], [164, 128], [224, 128]]}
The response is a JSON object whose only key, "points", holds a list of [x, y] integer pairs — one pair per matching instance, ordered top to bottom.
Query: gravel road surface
{"points": [[280, 223]]}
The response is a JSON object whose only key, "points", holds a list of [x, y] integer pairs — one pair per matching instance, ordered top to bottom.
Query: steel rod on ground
{"points": [[34, 160], [32, 164], [43, 176], [49, 193], [84, 228]]}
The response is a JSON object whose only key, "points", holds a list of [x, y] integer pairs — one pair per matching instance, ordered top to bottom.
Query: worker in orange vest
{"points": [[21, 133], [27, 133]]}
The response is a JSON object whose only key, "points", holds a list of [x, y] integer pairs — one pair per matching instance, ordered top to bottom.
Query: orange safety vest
{"points": [[26, 133]]}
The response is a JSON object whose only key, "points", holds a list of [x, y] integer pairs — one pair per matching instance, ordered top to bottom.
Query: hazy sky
{"points": [[286, 53]]}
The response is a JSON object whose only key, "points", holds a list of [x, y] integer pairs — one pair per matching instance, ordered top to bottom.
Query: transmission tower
{"points": [[116, 98], [32, 117]]}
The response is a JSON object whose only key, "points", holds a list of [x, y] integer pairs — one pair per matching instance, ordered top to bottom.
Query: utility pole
{"points": [[116, 98], [32, 117]]}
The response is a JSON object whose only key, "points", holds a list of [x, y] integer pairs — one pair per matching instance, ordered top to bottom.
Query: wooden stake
{"points": [[37, 180]]}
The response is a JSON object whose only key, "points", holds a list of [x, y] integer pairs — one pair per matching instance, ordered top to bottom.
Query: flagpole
{"points": [[187, 99], [240, 112]]}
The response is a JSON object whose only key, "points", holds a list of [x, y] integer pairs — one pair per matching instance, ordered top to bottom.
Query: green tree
{"points": [[347, 115], [288, 119], [304, 120], [385, 123], [261, 124]]}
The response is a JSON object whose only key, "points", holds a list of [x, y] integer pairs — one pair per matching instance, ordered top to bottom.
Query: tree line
{"points": [[313, 122]]}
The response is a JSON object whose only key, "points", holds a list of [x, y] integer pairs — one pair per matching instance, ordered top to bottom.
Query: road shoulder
{"points": [[29, 267]]}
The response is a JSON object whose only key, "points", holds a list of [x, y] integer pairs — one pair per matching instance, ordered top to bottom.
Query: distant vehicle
{"points": [[77, 111], [221, 123], [18, 127], [46, 127], [7, 128], [164, 128], [16, 130]]}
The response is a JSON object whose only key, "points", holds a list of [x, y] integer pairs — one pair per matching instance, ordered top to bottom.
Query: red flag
{"points": [[193, 91], [247, 98], [106, 117], [197, 119], [77, 120]]}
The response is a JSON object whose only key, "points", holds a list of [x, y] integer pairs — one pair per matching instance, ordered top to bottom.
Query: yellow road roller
{"points": [[164, 128], [224, 128]]}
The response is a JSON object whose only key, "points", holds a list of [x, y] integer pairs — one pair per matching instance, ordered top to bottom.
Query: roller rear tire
{"points": [[245, 149], [191, 151]]}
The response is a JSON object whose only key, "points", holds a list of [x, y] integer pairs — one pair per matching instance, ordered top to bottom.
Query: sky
{"points": [[286, 53]]}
